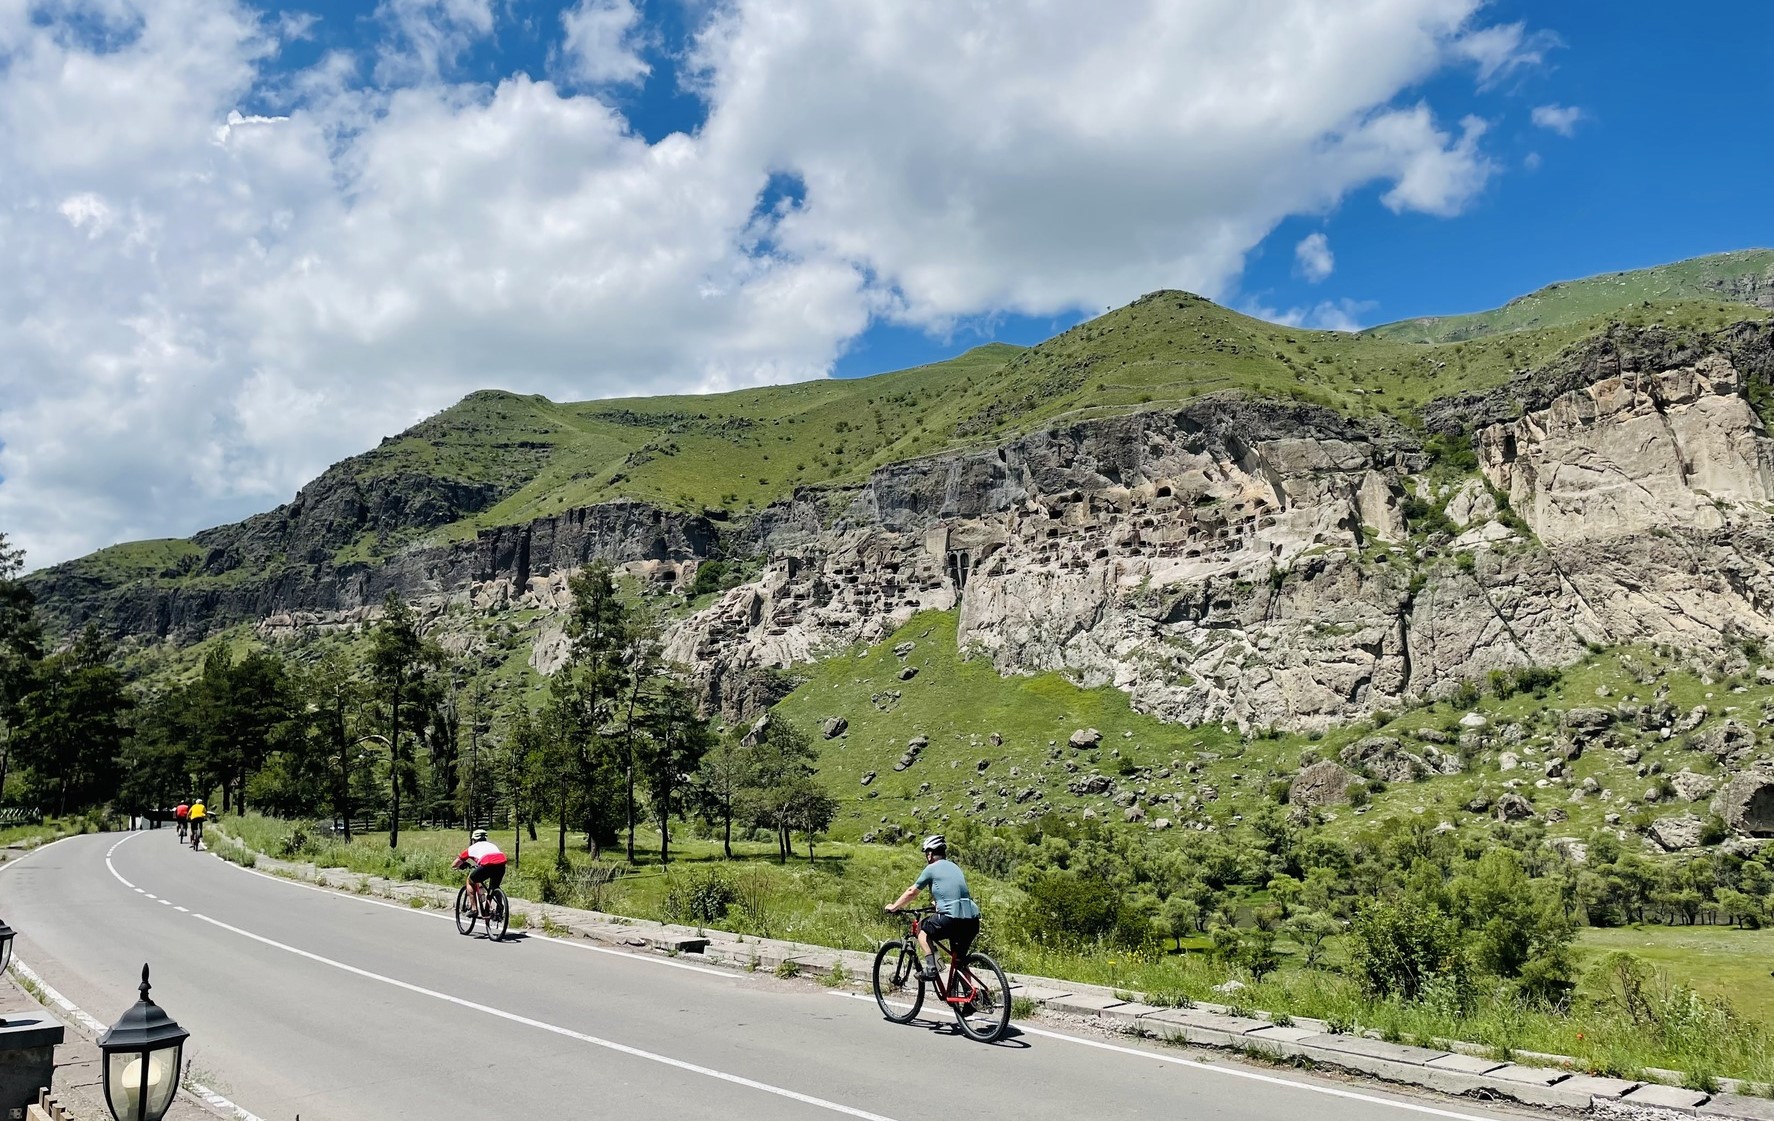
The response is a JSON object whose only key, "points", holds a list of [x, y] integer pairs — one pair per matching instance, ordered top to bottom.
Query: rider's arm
{"points": [[911, 893]]}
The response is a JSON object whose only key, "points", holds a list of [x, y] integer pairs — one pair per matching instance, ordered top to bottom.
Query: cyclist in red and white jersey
{"points": [[488, 863]]}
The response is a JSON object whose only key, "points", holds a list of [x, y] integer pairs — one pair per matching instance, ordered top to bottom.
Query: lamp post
{"points": [[142, 1059]]}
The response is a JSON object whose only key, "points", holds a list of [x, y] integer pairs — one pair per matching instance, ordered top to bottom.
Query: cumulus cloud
{"points": [[599, 44], [1561, 119], [1314, 258], [210, 300]]}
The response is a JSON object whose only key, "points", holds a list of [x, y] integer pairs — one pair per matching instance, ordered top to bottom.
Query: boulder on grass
{"points": [[1321, 784]]}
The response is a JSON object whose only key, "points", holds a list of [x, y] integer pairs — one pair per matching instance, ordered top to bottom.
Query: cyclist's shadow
{"points": [[1012, 1039]]}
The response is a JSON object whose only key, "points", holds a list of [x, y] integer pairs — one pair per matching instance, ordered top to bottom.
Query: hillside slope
{"points": [[1743, 277], [499, 459]]}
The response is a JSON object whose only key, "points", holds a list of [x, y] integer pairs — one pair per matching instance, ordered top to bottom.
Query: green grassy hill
{"points": [[1743, 277], [740, 451], [498, 458]]}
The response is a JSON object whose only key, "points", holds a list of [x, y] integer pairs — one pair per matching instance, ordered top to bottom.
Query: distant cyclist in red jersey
{"points": [[181, 813], [488, 863]]}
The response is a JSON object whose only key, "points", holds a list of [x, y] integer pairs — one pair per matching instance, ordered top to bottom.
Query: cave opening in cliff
{"points": [[960, 564]]}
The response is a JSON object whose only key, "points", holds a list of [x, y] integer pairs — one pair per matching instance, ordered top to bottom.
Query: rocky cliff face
{"points": [[1239, 561], [1250, 562]]}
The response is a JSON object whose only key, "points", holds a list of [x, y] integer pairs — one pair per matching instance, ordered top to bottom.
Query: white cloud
{"points": [[427, 37], [599, 45], [1502, 49], [1561, 119], [1434, 179], [1314, 257], [210, 304], [1326, 315]]}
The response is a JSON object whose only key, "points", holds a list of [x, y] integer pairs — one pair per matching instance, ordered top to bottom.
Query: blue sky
{"points": [[1664, 162], [252, 238]]}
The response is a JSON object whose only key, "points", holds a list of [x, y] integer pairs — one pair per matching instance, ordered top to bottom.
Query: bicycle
{"points": [[182, 830], [197, 835], [494, 911], [976, 989]]}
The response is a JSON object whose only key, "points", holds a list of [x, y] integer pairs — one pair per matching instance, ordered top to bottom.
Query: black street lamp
{"points": [[141, 1056]]}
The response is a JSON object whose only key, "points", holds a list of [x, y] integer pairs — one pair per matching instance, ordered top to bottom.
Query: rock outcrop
{"points": [[1234, 560], [1322, 784], [1746, 803]]}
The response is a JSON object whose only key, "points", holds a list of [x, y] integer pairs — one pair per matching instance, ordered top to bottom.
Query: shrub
{"points": [[711, 576], [295, 842], [701, 896], [1067, 907], [1398, 947], [1256, 952]]}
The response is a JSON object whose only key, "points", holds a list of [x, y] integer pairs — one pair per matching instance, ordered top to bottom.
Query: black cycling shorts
{"points": [[490, 875], [958, 933]]}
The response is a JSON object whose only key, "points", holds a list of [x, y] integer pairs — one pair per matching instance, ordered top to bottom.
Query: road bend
{"points": [[337, 1007]]}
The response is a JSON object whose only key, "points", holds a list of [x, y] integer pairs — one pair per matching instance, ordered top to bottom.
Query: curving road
{"points": [[304, 1001]]}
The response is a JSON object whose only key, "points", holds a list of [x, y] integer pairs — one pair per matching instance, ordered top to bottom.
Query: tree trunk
{"points": [[633, 696], [394, 772], [727, 835], [561, 855]]}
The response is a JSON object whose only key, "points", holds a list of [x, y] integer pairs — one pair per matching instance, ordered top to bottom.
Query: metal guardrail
{"points": [[19, 815]]}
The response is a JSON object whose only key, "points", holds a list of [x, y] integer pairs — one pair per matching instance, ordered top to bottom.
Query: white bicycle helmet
{"points": [[478, 835], [935, 843]]}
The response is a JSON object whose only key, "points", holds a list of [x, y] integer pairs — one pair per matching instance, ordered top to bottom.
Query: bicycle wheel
{"points": [[464, 913], [498, 916], [898, 988], [986, 1017]]}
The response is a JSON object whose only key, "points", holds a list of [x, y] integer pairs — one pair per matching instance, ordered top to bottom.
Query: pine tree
{"points": [[401, 660]]}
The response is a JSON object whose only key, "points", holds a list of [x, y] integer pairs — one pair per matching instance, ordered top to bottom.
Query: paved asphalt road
{"points": [[336, 1008]]}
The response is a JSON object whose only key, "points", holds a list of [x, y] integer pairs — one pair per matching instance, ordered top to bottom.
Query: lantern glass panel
{"points": [[137, 1079]]}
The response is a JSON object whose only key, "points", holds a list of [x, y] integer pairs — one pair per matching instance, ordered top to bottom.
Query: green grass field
{"points": [[1720, 961]]}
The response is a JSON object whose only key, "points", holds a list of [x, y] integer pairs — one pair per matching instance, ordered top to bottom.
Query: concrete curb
{"points": [[1453, 1068]]}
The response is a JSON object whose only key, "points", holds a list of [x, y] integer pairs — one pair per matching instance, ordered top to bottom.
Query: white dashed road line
{"points": [[596, 1041], [208, 1096]]}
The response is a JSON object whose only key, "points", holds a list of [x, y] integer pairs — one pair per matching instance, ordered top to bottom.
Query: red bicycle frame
{"points": [[957, 971]]}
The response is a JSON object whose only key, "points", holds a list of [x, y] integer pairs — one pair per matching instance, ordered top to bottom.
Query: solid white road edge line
{"points": [[723, 974], [50, 994], [543, 1025], [1235, 1072], [209, 1096]]}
